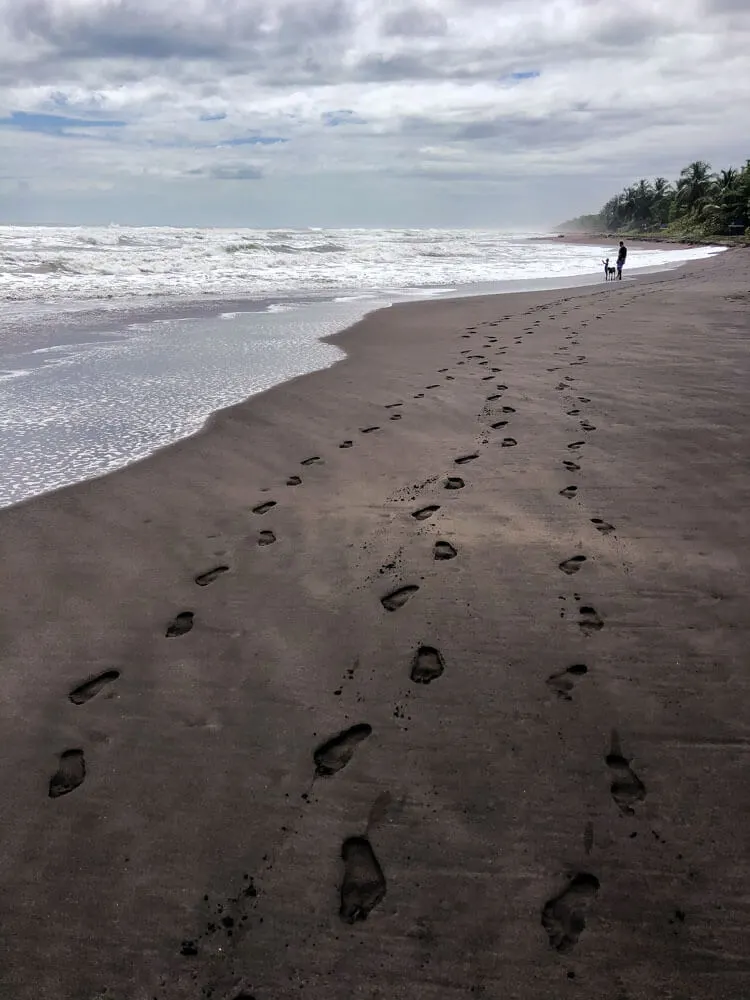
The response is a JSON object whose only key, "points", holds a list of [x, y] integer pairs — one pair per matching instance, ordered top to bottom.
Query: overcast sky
{"points": [[516, 113]]}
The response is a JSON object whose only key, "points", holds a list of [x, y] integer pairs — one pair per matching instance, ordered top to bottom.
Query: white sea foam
{"points": [[112, 265]]}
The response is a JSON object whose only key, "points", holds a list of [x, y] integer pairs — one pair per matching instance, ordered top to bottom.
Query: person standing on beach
{"points": [[621, 255]]}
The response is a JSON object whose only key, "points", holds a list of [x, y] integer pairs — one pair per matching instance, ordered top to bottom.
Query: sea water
{"points": [[116, 341]]}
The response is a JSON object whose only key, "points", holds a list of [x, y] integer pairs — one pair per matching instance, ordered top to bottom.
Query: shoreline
{"points": [[120, 325], [497, 547]]}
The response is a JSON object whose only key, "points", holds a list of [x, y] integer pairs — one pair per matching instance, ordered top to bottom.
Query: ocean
{"points": [[116, 341]]}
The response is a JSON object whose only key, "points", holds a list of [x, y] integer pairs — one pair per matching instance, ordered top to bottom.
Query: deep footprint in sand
{"points": [[491, 399], [391, 406], [395, 416], [498, 424], [586, 426], [368, 430], [508, 443], [346, 444], [576, 445], [463, 459], [315, 460], [572, 466], [294, 481], [454, 483], [569, 491], [263, 508], [424, 512], [604, 526], [266, 538], [444, 550], [572, 565], [203, 579], [398, 598], [590, 621], [180, 624], [428, 664], [564, 681], [90, 689], [336, 752], [70, 773], [627, 788], [363, 886], [564, 916]]}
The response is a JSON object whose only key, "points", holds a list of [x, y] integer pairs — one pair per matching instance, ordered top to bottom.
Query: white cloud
{"points": [[524, 113]]}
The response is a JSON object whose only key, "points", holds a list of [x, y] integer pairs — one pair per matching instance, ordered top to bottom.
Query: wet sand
{"points": [[502, 550]]}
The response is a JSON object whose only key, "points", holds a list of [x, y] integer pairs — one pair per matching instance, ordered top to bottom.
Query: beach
{"points": [[423, 675]]}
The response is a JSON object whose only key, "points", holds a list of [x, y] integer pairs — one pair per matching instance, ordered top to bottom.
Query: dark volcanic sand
{"points": [[240, 716]]}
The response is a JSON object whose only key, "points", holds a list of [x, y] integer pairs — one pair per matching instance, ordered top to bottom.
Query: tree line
{"points": [[700, 202]]}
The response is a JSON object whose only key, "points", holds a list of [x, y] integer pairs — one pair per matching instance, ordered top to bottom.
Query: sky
{"points": [[463, 113]]}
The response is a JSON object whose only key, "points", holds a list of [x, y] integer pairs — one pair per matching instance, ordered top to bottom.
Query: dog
{"points": [[609, 272]]}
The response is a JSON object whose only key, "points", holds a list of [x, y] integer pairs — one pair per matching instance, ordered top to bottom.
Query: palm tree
{"points": [[695, 184], [662, 200]]}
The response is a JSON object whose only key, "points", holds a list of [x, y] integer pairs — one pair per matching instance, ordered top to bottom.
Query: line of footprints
{"points": [[363, 884]]}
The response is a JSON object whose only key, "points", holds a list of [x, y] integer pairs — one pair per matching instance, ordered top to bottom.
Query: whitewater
{"points": [[116, 341]]}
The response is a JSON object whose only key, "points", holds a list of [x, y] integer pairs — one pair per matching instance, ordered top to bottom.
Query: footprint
{"points": [[442, 370], [450, 378], [488, 378], [436, 386], [502, 388], [491, 399], [584, 399], [390, 406], [508, 409], [573, 413], [395, 416], [499, 424], [586, 426], [368, 430], [509, 443], [346, 444], [576, 445], [463, 459], [315, 460], [572, 466], [294, 481], [453, 483], [569, 491], [263, 508], [424, 512], [603, 526], [266, 538], [444, 550], [572, 565], [203, 579], [398, 598], [590, 620], [179, 625], [427, 666], [564, 681], [90, 689], [336, 753], [69, 775], [626, 788], [364, 885], [564, 916]]}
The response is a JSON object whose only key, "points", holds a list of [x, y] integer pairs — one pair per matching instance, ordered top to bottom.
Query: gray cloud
{"points": [[415, 22], [459, 91]]}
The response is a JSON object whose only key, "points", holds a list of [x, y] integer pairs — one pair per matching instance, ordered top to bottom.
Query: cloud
{"points": [[553, 105], [228, 172]]}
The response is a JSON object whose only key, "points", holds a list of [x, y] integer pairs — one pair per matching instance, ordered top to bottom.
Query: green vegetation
{"points": [[699, 205]]}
